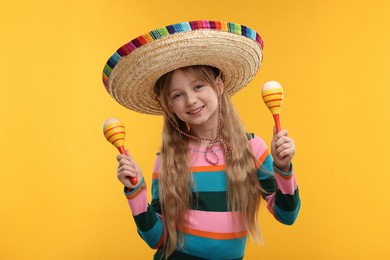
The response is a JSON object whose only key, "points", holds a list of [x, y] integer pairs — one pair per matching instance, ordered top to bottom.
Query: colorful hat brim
{"points": [[132, 71]]}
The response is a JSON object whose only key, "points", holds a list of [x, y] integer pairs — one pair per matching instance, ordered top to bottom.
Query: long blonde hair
{"points": [[243, 190]]}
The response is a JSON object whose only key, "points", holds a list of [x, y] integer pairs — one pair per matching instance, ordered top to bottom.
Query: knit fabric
{"points": [[212, 231]]}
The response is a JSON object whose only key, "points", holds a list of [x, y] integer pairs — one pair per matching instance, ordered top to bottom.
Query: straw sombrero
{"points": [[132, 71]]}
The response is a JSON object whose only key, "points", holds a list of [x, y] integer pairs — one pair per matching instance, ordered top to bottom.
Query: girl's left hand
{"points": [[282, 150]]}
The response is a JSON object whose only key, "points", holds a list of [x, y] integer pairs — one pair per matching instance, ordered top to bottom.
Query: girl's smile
{"points": [[196, 111]]}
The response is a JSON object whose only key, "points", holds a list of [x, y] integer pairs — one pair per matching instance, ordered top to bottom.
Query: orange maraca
{"points": [[272, 93], [114, 131]]}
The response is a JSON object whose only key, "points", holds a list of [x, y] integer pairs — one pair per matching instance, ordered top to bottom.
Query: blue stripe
{"points": [[178, 27], [185, 27], [171, 29], [250, 33], [114, 59], [209, 181], [287, 217], [152, 237], [214, 249]]}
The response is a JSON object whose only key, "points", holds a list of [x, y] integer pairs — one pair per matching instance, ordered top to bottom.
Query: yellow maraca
{"points": [[272, 93], [114, 131]]}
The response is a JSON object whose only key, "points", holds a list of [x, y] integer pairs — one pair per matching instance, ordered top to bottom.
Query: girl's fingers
{"points": [[281, 133], [282, 140], [284, 146], [287, 153], [121, 157], [125, 161], [127, 168]]}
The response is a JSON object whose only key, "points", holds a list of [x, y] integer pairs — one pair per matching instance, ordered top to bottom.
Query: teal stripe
{"points": [[159, 33], [154, 34], [115, 58], [266, 168], [287, 174], [209, 181], [139, 185], [155, 188], [287, 217], [152, 237], [214, 249]]}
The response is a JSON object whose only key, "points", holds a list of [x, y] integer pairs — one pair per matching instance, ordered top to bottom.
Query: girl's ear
{"points": [[219, 83]]}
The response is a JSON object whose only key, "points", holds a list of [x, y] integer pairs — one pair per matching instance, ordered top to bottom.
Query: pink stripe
{"points": [[206, 24], [131, 46], [260, 146], [198, 157], [157, 162], [286, 186], [270, 202], [139, 204], [219, 222]]}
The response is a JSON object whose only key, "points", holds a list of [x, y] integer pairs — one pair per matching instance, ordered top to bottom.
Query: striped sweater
{"points": [[211, 231]]}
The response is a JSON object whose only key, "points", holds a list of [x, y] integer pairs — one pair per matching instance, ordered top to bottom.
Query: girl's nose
{"points": [[191, 99]]}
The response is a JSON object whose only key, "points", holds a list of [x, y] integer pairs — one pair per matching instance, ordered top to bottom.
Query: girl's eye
{"points": [[197, 87], [176, 96]]}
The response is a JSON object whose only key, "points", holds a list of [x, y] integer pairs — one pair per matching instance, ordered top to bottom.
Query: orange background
{"points": [[59, 197]]}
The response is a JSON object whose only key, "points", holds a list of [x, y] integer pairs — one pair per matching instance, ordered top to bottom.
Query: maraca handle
{"points": [[277, 122], [122, 150], [133, 180]]}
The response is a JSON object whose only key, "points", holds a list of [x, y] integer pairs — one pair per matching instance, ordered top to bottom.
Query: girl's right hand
{"points": [[127, 168]]}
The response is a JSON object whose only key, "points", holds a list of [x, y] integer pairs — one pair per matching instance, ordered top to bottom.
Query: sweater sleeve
{"points": [[280, 189], [147, 216]]}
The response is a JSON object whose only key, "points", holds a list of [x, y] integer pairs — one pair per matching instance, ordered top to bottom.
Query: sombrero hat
{"points": [[132, 71]]}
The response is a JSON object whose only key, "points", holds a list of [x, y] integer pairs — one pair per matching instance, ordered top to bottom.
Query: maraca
{"points": [[272, 93], [114, 131]]}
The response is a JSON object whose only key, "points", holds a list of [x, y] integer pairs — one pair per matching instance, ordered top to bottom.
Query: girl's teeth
{"points": [[196, 111]]}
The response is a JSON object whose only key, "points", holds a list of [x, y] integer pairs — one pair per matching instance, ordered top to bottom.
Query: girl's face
{"points": [[193, 101]]}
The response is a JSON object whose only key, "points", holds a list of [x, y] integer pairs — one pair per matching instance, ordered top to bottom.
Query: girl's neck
{"points": [[203, 132], [199, 143]]}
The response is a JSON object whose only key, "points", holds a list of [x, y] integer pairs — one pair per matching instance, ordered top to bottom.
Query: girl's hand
{"points": [[282, 150], [127, 168]]}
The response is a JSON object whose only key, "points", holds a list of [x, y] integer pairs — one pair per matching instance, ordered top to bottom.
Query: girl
{"points": [[210, 174]]}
